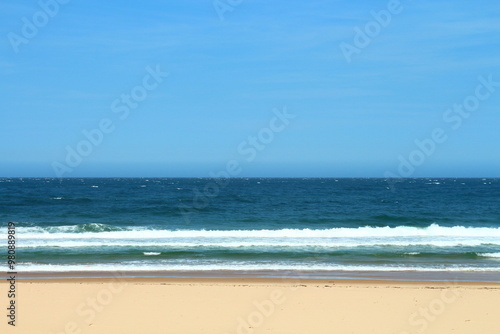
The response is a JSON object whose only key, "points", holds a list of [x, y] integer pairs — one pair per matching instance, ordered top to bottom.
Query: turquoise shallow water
{"points": [[254, 224]]}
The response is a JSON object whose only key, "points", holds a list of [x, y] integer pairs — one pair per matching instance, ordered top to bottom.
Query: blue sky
{"points": [[359, 115]]}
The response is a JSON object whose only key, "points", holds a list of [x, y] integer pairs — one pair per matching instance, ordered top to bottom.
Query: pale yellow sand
{"points": [[199, 306]]}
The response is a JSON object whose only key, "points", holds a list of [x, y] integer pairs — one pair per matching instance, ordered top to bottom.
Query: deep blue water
{"points": [[253, 224]]}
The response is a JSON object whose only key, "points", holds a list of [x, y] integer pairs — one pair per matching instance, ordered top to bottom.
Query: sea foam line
{"points": [[433, 230], [242, 243], [492, 255], [30, 267]]}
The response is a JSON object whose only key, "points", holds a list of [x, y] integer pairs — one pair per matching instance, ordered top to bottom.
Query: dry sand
{"points": [[221, 306]]}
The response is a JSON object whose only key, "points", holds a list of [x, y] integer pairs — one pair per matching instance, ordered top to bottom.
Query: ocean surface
{"points": [[255, 224]]}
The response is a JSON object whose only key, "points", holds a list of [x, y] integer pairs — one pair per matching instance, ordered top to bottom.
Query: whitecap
{"points": [[151, 253]]}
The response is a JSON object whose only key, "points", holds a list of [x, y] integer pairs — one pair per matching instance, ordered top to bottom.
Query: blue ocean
{"points": [[253, 224]]}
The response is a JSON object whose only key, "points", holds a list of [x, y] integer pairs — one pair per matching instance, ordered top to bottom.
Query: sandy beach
{"points": [[239, 305]]}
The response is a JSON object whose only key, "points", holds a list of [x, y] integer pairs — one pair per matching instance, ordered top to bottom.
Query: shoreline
{"points": [[399, 276], [292, 283]]}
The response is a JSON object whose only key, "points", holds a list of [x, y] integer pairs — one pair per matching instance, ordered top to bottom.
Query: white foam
{"points": [[360, 232], [434, 235], [234, 243], [494, 255], [236, 266]]}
